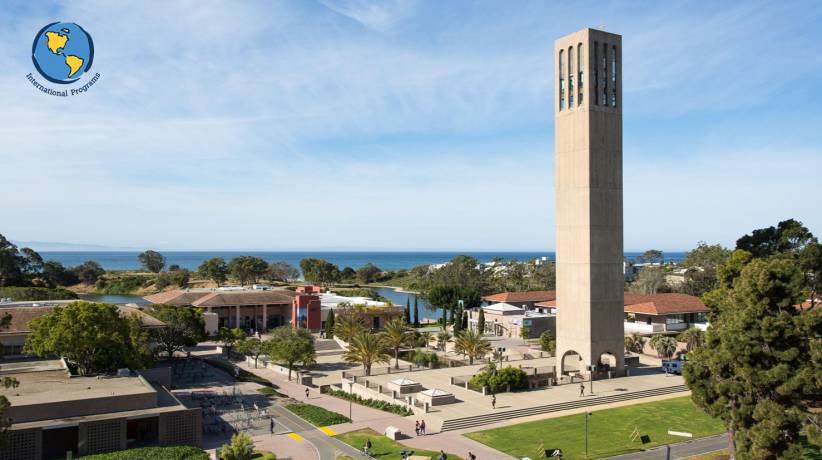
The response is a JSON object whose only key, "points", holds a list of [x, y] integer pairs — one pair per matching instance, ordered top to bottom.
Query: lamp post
{"points": [[350, 397], [587, 414]]}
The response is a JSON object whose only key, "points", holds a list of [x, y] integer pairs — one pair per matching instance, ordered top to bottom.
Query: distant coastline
{"points": [[394, 260]]}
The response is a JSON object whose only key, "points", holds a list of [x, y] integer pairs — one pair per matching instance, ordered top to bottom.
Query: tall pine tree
{"points": [[416, 313], [407, 315]]}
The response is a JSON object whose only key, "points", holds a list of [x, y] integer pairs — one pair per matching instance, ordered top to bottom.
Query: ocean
{"points": [[127, 260]]}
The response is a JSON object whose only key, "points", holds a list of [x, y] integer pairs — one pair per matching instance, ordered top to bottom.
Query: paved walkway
{"points": [[377, 420], [681, 450]]}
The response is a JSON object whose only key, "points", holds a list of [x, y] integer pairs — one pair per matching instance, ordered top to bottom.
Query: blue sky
{"points": [[401, 124]]}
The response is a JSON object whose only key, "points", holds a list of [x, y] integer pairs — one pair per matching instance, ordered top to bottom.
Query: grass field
{"points": [[609, 430], [383, 448]]}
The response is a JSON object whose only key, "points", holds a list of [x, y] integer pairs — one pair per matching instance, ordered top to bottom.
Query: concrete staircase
{"points": [[327, 347], [494, 417]]}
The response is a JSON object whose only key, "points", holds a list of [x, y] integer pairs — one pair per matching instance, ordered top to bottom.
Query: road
{"points": [[327, 447], [681, 450]]}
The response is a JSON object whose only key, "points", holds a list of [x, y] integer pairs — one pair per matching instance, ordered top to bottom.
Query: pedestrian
{"points": [[582, 389], [306, 393], [493, 401], [271, 426], [417, 427], [422, 427], [367, 447], [442, 455], [471, 456]]}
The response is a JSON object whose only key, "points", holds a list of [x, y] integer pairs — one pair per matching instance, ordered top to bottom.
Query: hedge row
{"points": [[373, 403], [317, 415], [154, 453]]}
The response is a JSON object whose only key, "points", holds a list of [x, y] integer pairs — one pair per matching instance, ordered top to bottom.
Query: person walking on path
{"points": [[581, 389], [306, 393], [493, 401], [271, 426], [417, 427], [422, 427], [367, 447], [442, 455], [471, 456]]}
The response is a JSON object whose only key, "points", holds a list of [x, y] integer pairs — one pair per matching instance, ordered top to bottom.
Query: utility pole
{"points": [[350, 397]]}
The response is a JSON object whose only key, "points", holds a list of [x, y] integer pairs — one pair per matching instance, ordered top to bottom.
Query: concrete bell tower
{"points": [[588, 163]]}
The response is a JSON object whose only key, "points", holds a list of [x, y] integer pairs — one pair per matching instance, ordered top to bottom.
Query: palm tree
{"points": [[348, 325], [395, 335], [443, 337], [692, 337], [635, 343], [471, 344], [665, 346], [367, 349]]}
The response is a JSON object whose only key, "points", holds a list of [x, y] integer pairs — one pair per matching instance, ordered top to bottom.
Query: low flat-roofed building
{"points": [[522, 299], [250, 309], [507, 320], [13, 337], [54, 412]]}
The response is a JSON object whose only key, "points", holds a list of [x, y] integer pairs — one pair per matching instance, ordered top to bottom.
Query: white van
{"points": [[672, 366]]}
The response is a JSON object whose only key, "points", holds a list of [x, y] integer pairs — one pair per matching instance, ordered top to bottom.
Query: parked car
{"points": [[673, 366]]}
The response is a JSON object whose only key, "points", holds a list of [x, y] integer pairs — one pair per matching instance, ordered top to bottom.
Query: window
{"points": [[581, 65], [596, 72], [604, 75], [571, 77], [613, 77], [561, 80]]}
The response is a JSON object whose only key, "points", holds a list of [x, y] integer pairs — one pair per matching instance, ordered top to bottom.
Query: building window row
{"points": [[605, 74]]}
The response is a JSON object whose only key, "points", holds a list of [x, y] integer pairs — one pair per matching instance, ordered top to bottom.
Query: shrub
{"points": [[122, 285], [36, 293], [547, 342], [425, 358], [497, 380], [270, 392], [373, 403], [316, 415], [241, 447], [153, 453]]}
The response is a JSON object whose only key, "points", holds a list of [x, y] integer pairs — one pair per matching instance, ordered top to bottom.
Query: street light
{"points": [[350, 397], [587, 414]]}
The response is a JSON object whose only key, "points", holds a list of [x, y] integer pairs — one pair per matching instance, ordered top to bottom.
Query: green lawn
{"points": [[317, 415], [609, 430], [383, 448]]}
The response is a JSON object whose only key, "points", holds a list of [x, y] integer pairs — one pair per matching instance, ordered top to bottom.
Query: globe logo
{"points": [[62, 52]]}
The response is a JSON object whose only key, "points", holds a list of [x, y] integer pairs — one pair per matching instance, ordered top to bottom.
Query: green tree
{"points": [[788, 237], [651, 256], [152, 261], [32, 262], [702, 263], [11, 264], [247, 268], [214, 269], [320, 271], [88, 272], [282, 272], [368, 273], [55, 274], [348, 274], [650, 280], [407, 312], [416, 313], [481, 322], [329, 325], [348, 325], [185, 327], [395, 335], [92, 336], [229, 337], [443, 337], [692, 338], [548, 342], [635, 343], [471, 344], [664, 345], [250, 346], [290, 346], [367, 349], [761, 363], [6, 422], [241, 447]]}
